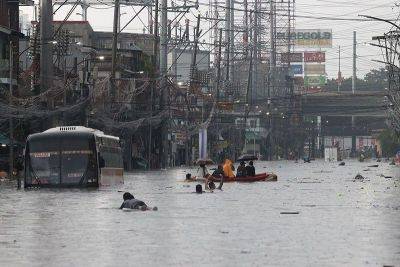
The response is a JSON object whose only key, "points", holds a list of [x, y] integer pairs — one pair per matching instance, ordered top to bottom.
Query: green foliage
{"points": [[375, 80], [390, 142]]}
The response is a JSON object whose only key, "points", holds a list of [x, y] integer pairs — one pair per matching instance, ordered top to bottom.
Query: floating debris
{"points": [[342, 163], [373, 166], [359, 177], [290, 212]]}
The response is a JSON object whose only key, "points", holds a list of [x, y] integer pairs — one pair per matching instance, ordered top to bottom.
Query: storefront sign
{"points": [[309, 38], [292, 57], [314, 57], [297, 69], [314, 69], [314, 80]]}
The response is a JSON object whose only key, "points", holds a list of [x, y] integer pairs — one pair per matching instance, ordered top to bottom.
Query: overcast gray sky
{"points": [[100, 17]]}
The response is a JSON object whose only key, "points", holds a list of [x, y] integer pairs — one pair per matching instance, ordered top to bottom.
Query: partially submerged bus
{"points": [[72, 156]]}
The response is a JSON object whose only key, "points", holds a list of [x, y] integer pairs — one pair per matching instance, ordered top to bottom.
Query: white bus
{"points": [[73, 156]]}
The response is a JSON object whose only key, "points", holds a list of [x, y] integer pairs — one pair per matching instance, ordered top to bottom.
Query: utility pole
{"points": [[216, 17], [150, 19], [119, 21], [246, 28], [227, 36], [231, 41], [46, 47], [114, 49], [254, 51], [219, 66], [272, 66], [163, 72], [339, 74], [155, 75], [354, 79], [218, 81], [65, 82], [192, 82], [353, 88], [11, 145]]}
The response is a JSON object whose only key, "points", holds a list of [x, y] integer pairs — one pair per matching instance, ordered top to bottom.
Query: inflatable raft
{"points": [[258, 177]]}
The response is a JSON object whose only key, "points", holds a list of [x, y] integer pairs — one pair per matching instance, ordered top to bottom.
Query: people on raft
{"points": [[228, 169], [241, 170], [250, 170], [204, 171], [219, 172], [131, 203]]}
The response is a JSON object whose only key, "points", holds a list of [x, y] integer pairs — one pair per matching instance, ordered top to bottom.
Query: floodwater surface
{"points": [[330, 220]]}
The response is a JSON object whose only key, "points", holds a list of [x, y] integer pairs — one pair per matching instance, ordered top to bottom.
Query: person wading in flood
{"points": [[131, 203]]}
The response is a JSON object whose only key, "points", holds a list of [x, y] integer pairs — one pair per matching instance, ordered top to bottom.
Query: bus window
{"points": [[77, 156], [112, 157], [44, 161]]}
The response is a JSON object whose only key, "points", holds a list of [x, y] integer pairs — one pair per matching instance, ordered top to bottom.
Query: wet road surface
{"points": [[340, 222]]}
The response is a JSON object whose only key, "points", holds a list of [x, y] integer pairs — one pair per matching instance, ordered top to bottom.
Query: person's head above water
{"points": [[242, 163], [251, 163], [188, 176], [199, 189], [127, 196]]}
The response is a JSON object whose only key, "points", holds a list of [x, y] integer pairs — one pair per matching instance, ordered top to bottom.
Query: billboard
{"points": [[309, 37], [292, 57], [314, 57], [297, 69], [314, 69], [314, 80]]}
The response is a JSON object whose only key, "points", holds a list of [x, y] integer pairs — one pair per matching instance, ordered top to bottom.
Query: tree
{"points": [[375, 80], [390, 142]]}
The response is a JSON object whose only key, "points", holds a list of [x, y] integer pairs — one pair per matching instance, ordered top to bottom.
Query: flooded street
{"points": [[340, 222]]}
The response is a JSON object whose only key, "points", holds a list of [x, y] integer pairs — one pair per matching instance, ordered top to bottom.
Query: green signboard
{"points": [[315, 80]]}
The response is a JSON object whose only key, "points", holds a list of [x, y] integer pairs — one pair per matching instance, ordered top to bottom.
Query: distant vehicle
{"points": [[73, 156]]}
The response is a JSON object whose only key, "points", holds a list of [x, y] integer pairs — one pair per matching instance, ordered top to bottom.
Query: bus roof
{"points": [[80, 129]]}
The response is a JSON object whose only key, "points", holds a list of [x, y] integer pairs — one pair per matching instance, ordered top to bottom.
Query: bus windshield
{"points": [[62, 159]]}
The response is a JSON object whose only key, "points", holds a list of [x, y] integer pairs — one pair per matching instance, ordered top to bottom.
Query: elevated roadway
{"points": [[362, 103]]}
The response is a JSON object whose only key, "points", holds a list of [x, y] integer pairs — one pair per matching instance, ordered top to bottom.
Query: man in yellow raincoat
{"points": [[228, 170]]}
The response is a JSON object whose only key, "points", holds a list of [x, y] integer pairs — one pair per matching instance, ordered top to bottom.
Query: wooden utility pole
{"points": [[114, 49]]}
